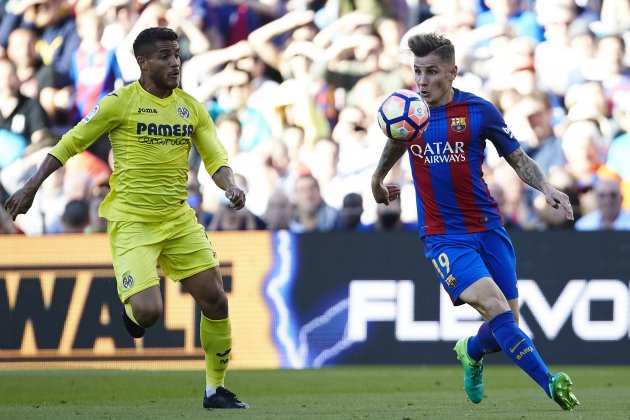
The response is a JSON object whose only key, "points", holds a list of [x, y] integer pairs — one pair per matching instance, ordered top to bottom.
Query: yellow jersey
{"points": [[151, 140]]}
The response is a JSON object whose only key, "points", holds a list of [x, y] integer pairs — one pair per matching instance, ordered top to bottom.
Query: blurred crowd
{"points": [[293, 87]]}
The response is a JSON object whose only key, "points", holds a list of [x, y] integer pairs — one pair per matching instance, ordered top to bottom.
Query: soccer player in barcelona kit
{"points": [[151, 125], [459, 221]]}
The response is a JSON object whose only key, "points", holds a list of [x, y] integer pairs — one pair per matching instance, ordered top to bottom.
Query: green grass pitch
{"points": [[361, 392]]}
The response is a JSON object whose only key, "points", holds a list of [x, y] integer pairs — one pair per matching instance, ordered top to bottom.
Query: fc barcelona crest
{"points": [[458, 124], [451, 281]]}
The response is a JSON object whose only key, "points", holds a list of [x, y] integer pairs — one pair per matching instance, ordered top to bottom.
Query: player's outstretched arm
{"points": [[392, 152], [531, 174], [224, 178], [22, 200]]}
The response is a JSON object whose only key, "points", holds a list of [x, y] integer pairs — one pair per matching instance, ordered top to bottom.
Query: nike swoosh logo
{"points": [[512, 349]]}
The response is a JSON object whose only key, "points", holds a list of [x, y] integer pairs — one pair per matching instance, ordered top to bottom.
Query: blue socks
{"points": [[482, 343], [518, 347]]}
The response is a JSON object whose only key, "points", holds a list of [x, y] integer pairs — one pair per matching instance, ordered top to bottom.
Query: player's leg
{"points": [[135, 248], [497, 254], [190, 258], [457, 264], [486, 297], [142, 310], [515, 310], [216, 336]]}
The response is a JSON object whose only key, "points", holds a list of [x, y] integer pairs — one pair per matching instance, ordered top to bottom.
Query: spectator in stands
{"points": [[118, 17], [236, 20], [521, 21], [262, 39], [58, 41], [583, 44], [21, 50], [555, 60], [321, 70], [94, 71], [614, 73], [233, 88], [294, 102], [596, 109], [530, 120], [23, 122], [293, 137], [359, 142], [582, 144], [618, 159], [323, 164], [277, 173], [496, 191], [195, 199], [49, 203], [514, 206], [279, 213], [312, 213], [350, 214], [609, 214], [76, 217], [226, 218], [549, 218], [388, 219], [6, 223], [97, 223]]}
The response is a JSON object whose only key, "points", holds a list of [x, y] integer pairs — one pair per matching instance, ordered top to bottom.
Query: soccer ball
{"points": [[403, 115]]}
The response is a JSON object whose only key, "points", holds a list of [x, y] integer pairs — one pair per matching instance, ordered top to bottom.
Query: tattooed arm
{"points": [[392, 153], [531, 174]]}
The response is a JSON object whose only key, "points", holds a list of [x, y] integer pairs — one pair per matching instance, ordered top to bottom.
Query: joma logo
{"points": [[147, 111]]}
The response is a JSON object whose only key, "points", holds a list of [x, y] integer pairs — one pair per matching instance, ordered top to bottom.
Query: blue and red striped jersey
{"points": [[451, 194]]}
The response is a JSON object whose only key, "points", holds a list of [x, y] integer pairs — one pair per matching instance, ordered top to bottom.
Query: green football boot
{"points": [[473, 371], [560, 387]]}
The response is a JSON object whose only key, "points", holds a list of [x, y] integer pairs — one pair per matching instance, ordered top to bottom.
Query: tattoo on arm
{"points": [[392, 153], [527, 169]]}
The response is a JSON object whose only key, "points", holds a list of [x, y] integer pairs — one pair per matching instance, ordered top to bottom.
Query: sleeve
{"points": [[101, 119], [497, 131], [207, 142]]}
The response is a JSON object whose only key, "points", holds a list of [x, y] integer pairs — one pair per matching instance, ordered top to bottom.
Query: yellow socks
{"points": [[216, 340]]}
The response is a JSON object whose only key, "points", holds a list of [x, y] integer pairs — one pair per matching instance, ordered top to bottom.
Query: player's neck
{"points": [[153, 89], [446, 99]]}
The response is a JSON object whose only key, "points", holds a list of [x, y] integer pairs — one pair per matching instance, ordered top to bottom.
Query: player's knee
{"points": [[215, 306], [494, 306], [147, 314]]}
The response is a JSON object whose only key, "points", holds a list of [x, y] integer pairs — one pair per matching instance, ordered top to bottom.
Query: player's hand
{"points": [[385, 193], [236, 197], [558, 199], [19, 202]]}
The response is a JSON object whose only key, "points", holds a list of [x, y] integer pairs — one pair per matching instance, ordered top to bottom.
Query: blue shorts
{"points": [[462, 259]]}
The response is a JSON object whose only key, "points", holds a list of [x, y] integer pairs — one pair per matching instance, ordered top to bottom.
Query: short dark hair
{"points": [[144, 44], [424, 44], [76, 213]]}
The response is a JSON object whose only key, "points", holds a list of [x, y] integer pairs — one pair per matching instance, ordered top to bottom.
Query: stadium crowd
{"points": [[293, 87]]}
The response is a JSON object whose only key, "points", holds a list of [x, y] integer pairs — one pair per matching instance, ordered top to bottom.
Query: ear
{"points": [[142, 63], [453, 73]]}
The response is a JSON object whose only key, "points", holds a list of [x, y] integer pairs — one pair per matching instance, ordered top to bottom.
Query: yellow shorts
{"points": [[181, 248]]}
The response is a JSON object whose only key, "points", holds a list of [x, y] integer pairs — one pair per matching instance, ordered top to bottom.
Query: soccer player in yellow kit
{"points": [[152, 125]]}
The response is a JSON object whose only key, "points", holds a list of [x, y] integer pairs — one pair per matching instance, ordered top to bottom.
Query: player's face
{"points": [[163, 65], [434, 79]]}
